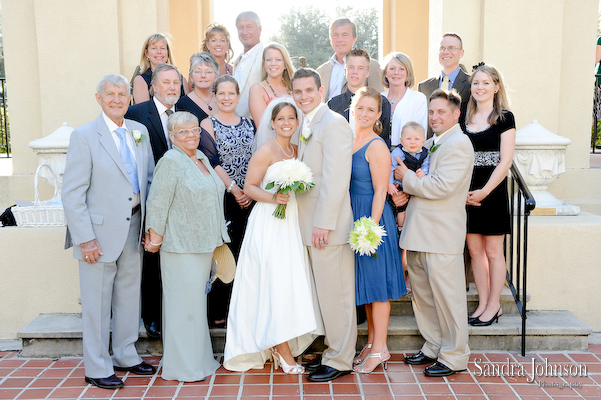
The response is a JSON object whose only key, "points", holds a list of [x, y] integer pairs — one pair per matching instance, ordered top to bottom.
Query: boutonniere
{"points": [[306, 135], [138, 137], [433, 148]]}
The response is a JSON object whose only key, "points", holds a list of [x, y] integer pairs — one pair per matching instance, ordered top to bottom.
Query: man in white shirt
{"points": [[343, 35], [247, 67], [166, 83]]}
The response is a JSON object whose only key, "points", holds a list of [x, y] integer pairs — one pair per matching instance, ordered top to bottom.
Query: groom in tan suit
{"points": [[326, 219], [434, 236]]}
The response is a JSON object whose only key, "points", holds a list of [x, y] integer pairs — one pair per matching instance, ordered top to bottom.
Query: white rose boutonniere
{"points": [[306, 134], [138, 137]]}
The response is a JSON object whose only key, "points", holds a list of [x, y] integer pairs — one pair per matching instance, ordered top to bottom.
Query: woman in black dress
{"points": [[156, 50], [201, 100], [491, 128], [226, 139]]}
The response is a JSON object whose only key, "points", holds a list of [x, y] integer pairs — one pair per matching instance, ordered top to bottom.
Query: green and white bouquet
{"points": [[288, 175], [366, 236]]}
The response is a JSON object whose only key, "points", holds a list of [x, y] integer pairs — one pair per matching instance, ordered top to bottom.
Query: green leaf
{"points": [[270, 185]]}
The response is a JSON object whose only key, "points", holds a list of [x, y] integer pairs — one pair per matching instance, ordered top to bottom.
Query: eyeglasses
{"points": [[450, 49], [186, 132]]}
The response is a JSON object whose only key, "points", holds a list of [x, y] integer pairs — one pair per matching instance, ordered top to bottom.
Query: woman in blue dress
{"points": [[377, 279]]}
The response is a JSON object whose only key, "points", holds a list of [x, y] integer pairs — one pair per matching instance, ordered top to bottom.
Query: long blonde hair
{"points": [[152, 39], [288, 72], [500, 100]]}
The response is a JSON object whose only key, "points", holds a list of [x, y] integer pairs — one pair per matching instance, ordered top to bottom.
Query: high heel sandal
{"points": [[472, 319], [478, 322], [357, 360], [384, 361], [288, 369]]}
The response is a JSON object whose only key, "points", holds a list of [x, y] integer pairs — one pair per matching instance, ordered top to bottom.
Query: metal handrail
{"points": [[4, 126], [595, 133], [516, 243]]}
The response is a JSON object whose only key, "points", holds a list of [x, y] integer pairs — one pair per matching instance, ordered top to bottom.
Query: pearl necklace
{"points": [[283, 151]]}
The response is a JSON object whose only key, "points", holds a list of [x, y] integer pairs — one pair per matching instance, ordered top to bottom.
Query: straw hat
{"points": [[224, 263]]}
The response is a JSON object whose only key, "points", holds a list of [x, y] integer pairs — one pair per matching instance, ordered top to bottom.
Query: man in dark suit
{"points": [[357, 72], [451, 75], [153, 114], [107, 175]]}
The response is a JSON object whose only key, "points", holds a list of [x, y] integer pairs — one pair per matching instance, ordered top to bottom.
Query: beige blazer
{"points": [[250, 76], [374, 79], [329, 154], [435, 221]]}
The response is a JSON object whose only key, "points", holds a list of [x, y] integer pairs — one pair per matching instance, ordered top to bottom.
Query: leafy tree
{"points": [[367, 27], [304, 33]]}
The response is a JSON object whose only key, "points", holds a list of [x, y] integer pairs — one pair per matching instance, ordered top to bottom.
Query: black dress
{"points": [[187, 104], [492, 217]]}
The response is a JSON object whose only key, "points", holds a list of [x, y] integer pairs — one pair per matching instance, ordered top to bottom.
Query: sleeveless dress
{"points": [[492, 217], [380, 278], [273, 300]]}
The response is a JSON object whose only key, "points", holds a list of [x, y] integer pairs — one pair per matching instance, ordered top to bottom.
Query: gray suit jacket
{"points": [[250, 76], [374, 79], [329, 154], [97, 194], [436, 219]]}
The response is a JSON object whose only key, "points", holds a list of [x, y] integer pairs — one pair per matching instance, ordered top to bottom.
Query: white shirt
{"points": [[239, 68], [336, 78], [412, 107], [161, 108], [309, 116], [436, 138], [130, 143]]}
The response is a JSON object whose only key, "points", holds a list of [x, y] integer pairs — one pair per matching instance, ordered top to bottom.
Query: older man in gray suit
{"points": [[107, 176], [434, 236]]}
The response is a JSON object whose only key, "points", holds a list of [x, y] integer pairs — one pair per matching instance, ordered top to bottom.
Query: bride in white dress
{"points": [[273, 308]]}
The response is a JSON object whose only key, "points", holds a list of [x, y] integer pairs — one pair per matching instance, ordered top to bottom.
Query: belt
{"points": [[135, 209]]}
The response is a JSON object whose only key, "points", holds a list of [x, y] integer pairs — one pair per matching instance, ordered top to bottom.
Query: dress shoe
{"points": [[471, 319], [478, 322], [153, 329], [418, 358], [313, 364], [140, 369], [438, 369], [325, 374], [112, 382]]}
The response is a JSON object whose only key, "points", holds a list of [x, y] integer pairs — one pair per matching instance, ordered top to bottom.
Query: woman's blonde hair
{"points": [[212, 29], [152, 39], [405, 61], [288, 72], [500, 100]]}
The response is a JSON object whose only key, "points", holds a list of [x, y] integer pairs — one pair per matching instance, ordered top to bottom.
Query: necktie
{"points": [[445, 83], [168, 112], [128, 159]]}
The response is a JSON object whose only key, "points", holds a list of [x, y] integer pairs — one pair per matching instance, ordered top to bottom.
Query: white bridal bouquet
{"points": [[288, 175], [366, 236]]}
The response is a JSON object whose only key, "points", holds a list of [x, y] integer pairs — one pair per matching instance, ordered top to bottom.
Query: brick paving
{"points": [[491, 375]]}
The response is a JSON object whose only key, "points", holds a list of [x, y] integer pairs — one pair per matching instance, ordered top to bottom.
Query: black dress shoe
{"points": [[478, 322], [153, 329], [418, 358], [313, 364], [140, 369], [438, 369], [325, 374], [112, 382]]}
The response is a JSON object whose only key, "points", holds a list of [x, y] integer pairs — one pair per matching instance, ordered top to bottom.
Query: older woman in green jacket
{"points": [[184, 219]]}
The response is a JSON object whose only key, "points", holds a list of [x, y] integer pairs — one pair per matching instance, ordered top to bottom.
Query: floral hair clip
{"points": [[475, 67]]}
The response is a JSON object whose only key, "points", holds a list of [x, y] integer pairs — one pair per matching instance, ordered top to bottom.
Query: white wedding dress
{"points": [[273, 299]]}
